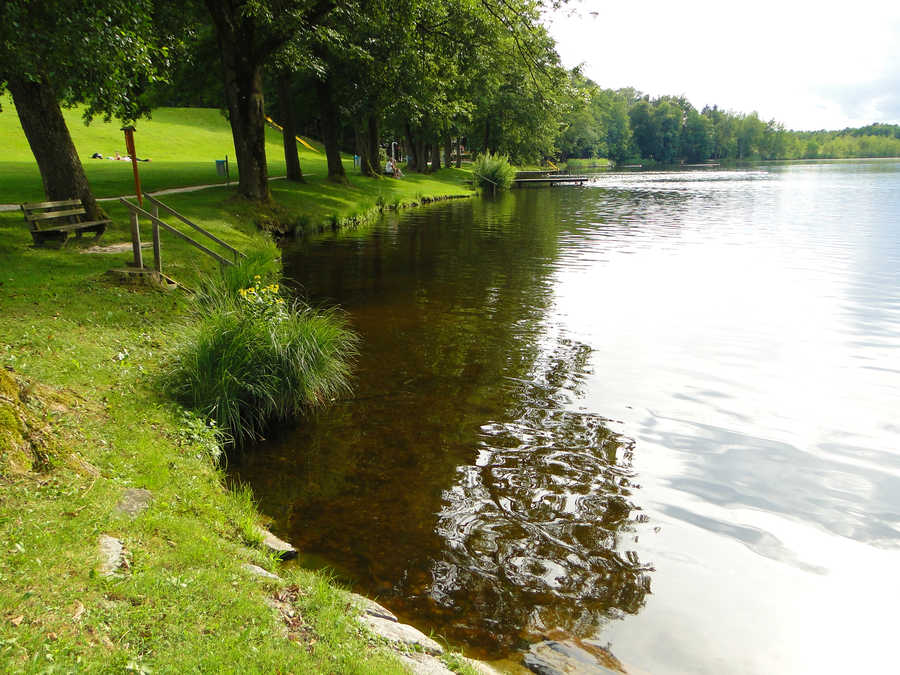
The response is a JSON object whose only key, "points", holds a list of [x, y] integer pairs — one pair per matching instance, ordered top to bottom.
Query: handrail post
{"points": [[136, 240], [157, 254]]}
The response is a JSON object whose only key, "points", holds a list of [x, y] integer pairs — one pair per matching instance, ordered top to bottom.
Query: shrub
{"points": [[493, 171], [255, 357]]}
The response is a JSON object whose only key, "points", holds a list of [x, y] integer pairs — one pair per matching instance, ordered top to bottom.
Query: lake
{"points": [[661, 410]]}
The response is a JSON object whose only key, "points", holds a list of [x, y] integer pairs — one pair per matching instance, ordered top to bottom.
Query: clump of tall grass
{"points": [[493, 171], [253, 357]]}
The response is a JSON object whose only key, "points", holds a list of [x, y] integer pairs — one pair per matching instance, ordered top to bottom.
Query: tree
{"points": [[55, 52]]}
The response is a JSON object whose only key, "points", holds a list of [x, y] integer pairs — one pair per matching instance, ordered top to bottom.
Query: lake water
{"points": [[661, 410]]}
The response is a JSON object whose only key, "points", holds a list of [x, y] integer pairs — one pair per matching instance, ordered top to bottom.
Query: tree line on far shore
{"points": [[358, 74], [628, 126]]}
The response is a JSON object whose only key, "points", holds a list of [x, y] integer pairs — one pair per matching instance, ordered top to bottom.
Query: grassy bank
{"points": [[85, 420]]}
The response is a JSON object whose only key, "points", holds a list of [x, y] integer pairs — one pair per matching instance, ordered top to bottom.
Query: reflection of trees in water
{"points": [[454, 485], [532, 528]]}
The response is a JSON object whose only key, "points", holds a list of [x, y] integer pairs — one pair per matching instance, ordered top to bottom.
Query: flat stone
{"points": [[134, 502], [278, 546], [111, 551], [258, 571], [371, 607], [402, 633], [563, 658], [423, 664], [480, 667]]}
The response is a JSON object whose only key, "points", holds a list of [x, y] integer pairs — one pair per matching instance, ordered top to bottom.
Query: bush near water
{"points": [[490, 170], [253, 356]]}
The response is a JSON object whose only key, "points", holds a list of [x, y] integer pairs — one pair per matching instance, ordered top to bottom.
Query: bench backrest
{"points": [[38, 213]]}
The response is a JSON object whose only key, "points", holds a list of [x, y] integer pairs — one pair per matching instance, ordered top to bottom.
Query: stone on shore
{"points": [[134, 502], [278, 546], [111, 556], [258, 571], [371, 607], [401, 633], [424, 664]]}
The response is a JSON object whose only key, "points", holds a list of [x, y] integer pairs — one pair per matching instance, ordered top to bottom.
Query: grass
{"points": [[597, 162], [86, 352], [250, 357]]}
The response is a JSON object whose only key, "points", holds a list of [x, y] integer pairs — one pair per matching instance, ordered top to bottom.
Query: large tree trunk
{"points": [[242, 61], [289, 128], [330, 132], [47, 134], [448, 150], [459, 152], [422, 153], [436, 156], [369, 159], [413, 164]]}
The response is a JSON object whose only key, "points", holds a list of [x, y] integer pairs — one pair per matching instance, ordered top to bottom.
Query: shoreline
{"points": [[103, 435]]}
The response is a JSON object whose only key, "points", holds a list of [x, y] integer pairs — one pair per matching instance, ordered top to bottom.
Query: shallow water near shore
{"points": [[659, 410]]}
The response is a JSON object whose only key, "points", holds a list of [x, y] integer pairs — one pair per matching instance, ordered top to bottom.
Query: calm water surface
{"points": [[661, 410]]}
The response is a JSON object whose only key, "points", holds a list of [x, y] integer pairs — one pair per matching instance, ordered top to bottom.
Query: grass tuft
{"points": [[252, 357]]}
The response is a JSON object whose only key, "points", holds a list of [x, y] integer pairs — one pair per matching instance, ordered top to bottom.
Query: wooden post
{"points": [[129, 147], [136, 241], [157, 256]]}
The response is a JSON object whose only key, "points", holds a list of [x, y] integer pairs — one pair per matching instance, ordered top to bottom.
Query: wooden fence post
{"points": [[136, 241], [157, 255]]}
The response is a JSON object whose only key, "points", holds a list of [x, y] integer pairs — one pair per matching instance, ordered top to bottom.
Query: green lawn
{"points": [[182, 143], [88, 351]]}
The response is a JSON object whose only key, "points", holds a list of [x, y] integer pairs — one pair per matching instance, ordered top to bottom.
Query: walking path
{"points": [[167, 191]]}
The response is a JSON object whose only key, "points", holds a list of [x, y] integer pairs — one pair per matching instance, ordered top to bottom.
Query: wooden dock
{"points": [[555, 179]]}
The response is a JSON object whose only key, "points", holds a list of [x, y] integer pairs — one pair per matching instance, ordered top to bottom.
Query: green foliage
{"points": [[493, 171], [262, 265], [253, 357]]}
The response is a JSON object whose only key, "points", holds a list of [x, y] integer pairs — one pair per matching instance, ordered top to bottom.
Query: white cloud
{"points": [[810, 65]]}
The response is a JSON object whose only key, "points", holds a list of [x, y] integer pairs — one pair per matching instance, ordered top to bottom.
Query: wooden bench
{"points": [[54, 221]]}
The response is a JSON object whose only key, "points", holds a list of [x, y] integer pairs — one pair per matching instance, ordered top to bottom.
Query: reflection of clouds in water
{"points": [[732, 470], [533, 528], [757, 540]]}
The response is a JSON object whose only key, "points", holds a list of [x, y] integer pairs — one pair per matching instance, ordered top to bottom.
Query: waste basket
{"points": [[221, 168]]}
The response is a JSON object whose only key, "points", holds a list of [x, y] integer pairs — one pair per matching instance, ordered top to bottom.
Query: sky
{"points": [[808, 65]]}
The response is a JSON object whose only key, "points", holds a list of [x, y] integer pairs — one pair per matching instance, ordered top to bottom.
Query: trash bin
{"points": [[221, 168]]}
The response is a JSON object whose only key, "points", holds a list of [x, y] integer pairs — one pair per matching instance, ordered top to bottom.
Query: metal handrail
{"points": [[153, 200], [137, 211]]}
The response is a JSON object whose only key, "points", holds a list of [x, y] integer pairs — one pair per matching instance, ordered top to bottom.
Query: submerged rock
{"points": [[565, 658]]}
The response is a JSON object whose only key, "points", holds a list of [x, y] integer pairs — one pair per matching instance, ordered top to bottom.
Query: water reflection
{"points": [[744, 326], [460, 485]]}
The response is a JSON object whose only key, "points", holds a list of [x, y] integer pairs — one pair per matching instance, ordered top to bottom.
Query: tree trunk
{"points": [[242, 63], [289, 128], [330, 132], [47, 134], [487, 134], [448, 150], [459, 152], [436, 156], [370, 159], [413, 164]]}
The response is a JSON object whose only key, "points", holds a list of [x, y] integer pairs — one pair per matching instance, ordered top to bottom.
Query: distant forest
{"points": [[626, 125]]}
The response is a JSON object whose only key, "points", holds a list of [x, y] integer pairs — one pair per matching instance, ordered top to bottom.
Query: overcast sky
{"points": [[809, 65]]}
